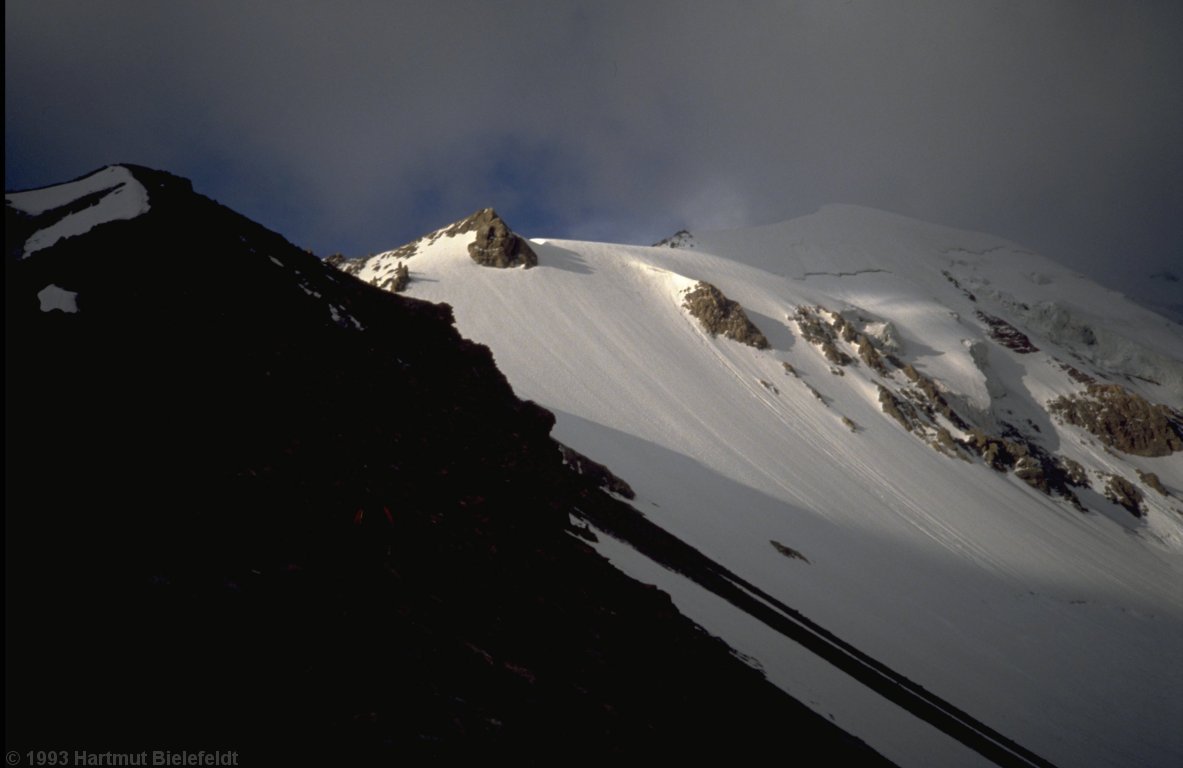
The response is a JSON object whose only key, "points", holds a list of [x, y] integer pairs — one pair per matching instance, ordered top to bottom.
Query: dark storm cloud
{"points": [[353, 126]]}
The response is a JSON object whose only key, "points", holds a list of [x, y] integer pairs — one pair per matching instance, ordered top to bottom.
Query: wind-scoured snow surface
{"points": [[110, 194], [1058, 627]]}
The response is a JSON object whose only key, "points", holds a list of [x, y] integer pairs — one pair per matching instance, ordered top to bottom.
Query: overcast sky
{"points": [[355, 126]]}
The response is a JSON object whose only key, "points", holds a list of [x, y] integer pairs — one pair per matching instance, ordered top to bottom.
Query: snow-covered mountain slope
{"points": [[954, 454], [254, 503]]}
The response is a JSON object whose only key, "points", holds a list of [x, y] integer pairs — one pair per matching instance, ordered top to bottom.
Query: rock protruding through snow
{"points": [[680, 239], [495, 244], [720, 315], [817, 330], [1007, 335], [1123, 420], [597, 472], [1125, 494]]}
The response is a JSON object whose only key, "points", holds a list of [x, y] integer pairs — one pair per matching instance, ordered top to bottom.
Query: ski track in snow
{"points": [[1059, 629]]}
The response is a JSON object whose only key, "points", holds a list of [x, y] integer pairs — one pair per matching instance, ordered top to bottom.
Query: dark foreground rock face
{"points": [[253, 504]]}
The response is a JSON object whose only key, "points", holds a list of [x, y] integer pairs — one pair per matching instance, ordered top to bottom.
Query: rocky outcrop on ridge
{"points": [[680, 239], [495, 244], [398, 283], [720, 315], [817, 330], [1007, 335], [934, 399], [917, 407], [898, 409], [1118, 417], [1123, 420], [1030, 463], [1153, 482], [1125, 494]]}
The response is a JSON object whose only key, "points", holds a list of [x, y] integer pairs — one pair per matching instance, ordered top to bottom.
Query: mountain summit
{"points": [[489, 241], [956, 455], [922, 480]]}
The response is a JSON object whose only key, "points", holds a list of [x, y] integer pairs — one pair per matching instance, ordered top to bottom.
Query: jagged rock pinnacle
{"points": [[495, 244]]}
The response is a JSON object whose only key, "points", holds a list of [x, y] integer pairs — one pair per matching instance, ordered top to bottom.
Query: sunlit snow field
{"points": [[1061, 629]]}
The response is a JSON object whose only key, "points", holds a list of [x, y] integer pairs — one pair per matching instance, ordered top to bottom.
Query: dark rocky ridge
{"points": [[307, 539]]}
